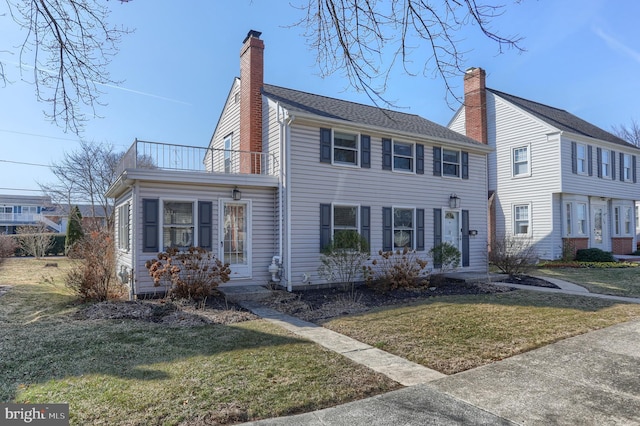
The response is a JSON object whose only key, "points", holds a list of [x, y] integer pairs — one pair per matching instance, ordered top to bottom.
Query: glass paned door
{"points": [[599, 227], [451, 230], [236, 238]]}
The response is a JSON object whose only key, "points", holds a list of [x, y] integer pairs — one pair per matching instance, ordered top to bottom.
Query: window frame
{"points": [[357, 150], [227, 153], [412, 157], [582, 162], [514, 163], [458, 165], [605, 166], [626, 167], [568, 218], [516, 221], [582, 223], [193, 225], [124, 228], [335, 228], [413, 230]]}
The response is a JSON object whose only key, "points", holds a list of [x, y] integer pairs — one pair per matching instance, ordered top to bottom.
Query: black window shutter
{"points": [[325, 145], [365, 151], [386, 154], [574, 158], [419, 159], [590, 159], [437, 161], [599, 161], [465, 165], [613, 165], [621, 167], [633, 168], [365, 223], [150, 225], [325, 225], [205, 226], [387, 229], [420, 229], [437, 230], [465, 237]]}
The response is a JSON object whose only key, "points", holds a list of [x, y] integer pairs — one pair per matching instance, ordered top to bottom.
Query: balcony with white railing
{"points": [[162, 156], [19, 219]]}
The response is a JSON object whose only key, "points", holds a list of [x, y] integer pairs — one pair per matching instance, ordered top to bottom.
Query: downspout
{"points": [[287, 144], [134, 249]]}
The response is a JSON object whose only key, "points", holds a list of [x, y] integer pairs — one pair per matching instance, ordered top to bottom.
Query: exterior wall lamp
{"points": [[236, 194], [454, 201]]}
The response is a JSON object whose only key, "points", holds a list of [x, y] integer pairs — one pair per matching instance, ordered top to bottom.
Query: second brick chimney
{"points": [[251, 81], [475, 104]]}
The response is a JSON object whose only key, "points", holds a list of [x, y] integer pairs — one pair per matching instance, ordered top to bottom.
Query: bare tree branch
{"points": [[352, 36], [68, 46], [631, 133]]}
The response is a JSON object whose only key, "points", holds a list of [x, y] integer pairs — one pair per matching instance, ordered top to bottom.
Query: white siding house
{"points": [[285, 170], [556, 178]]}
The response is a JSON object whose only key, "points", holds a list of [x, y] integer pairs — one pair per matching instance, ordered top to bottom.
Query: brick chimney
{"points": [[251, 81], [475, 104]]}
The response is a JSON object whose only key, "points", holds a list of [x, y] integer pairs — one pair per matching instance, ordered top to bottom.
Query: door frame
{"points": [[458, 212], [606, 225], [239, 271]]}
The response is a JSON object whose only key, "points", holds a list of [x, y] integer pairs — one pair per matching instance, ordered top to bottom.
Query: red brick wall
{"points": [[251, 81], [475, 103], [572, 245], [622, 245]]}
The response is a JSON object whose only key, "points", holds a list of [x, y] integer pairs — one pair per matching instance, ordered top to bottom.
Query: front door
{"points": [[599, 226], [451, 229], [235, 238]]}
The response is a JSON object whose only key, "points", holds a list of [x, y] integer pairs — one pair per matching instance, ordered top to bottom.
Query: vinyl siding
{"points": [[229, 123], [316, 183], [264, 239], [124, 259]]}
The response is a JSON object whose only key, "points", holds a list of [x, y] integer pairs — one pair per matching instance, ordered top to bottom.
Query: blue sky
{"points": [[178, 65]]}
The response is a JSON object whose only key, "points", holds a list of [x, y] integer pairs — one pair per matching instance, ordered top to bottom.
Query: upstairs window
{"points": [[345, 148], [227, 154], [403, 156], [581, 158], [521, 161], [450, 163], [605, 166], [626, 167]]}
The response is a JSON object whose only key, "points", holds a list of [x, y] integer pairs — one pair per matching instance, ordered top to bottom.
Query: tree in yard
{"points": [[353, 36], [629, 133], [85, 175], [74, 229], [35, 240]]}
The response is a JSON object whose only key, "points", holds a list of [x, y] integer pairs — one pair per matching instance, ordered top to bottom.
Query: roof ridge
{"points": [[529, 100]]}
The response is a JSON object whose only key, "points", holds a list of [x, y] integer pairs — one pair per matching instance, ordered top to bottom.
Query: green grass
{"points": [[614, 281], [455, 333], [134, 372]]}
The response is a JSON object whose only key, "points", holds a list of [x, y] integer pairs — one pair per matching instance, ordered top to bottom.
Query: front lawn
{"points": [[614, 281]]}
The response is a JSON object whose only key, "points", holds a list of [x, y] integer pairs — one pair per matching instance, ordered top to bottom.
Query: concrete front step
{"points": [[245, 293]]}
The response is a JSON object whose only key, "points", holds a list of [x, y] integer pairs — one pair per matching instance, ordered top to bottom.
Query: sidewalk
{"points": [[592, 379]]}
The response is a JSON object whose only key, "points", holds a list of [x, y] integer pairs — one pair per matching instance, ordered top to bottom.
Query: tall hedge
{"points": [[74, 229]]}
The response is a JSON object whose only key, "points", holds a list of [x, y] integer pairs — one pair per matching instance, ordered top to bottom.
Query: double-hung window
{"points": [[345, 148], [227, 154], [403, 156], [581, 158], [521, 161], [450, 163], [606, 163], [627, 167], [581, 216], [568, 218], [345, 219], [521, 219], [617, 220], [627, 220], [177, 224], [123, 227], [403, 228]]}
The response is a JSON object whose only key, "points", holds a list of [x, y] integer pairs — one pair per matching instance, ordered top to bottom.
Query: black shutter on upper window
{"points": [[325, 145], [365, 151], [387, 156], [574, 158], [419, 159], [590, 159], [437, 161], [599, 161], [465, 165], [613, 165], [621, 167], [633, 168], [365, 223], [150, 225], [325, 225], [205, 226], [387, 229], [420, 230], [437, 230], [465, 237]]}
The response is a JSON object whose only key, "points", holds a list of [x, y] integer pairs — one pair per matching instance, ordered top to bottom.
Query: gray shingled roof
{"points": [[322, 106], [561, 119]]}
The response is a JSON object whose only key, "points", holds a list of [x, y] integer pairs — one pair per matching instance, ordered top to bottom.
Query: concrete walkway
{"points": [[592, 379]]}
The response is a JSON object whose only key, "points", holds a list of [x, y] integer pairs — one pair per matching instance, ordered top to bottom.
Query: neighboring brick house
{"points": [[286, 170], [553, 177]]}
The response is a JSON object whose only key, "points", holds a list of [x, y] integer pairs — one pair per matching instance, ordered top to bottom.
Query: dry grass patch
{"points": [[615, 281], [455, 333]]}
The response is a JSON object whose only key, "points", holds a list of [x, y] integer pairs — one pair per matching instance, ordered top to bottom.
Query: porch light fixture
{"points": [[236, 194], [454, 201]]}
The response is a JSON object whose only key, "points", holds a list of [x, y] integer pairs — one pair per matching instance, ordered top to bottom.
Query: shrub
{"points": [[74, 231], [34, 240], [8, 246], [446, 255], [512, 255], [594, 255], [343, 258], [396, 269], [193, 274], [93, 278]]}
